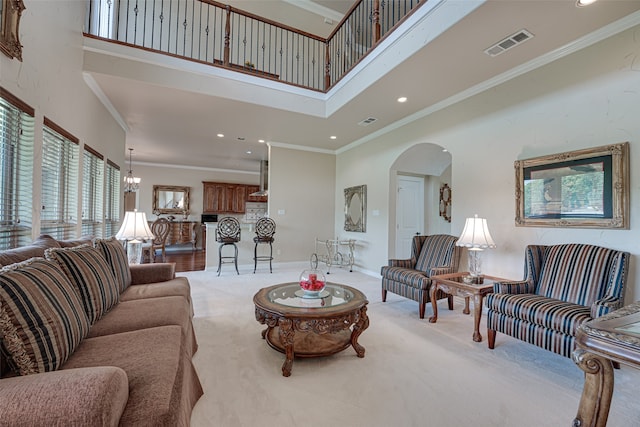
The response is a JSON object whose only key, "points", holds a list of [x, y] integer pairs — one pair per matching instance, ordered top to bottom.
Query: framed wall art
{"points": [[585, 188]]}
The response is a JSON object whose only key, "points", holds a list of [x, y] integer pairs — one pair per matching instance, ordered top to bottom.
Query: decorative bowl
{"points": [[312, 282]]}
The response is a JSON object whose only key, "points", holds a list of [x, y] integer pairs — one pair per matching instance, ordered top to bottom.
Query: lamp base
{"points": [[134, 251], [473, 280]]}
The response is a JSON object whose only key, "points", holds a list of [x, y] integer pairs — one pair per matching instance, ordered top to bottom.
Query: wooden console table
{"points": [[182, 232], [614, 337]]}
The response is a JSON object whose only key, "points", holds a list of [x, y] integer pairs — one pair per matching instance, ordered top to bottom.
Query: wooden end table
{"points": [[453, 284], [311, 327], [614, 337]]}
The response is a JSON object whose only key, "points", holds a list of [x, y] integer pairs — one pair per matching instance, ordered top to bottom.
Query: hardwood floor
{"points": [[185, 260]]}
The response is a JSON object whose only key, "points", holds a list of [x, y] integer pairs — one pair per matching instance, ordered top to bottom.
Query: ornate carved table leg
{"points": [[434, 303], [466, 306], [477, 315], [285, 327], [358, 328], [598, 389]]}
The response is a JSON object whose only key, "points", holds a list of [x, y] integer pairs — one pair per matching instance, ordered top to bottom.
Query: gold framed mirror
{"points": [[10, 13], [584, 188], [170, 199], [355, 208]]}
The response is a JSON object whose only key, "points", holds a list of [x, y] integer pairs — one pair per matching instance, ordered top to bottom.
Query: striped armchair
{"points": [[411, 278], [564, 286]]}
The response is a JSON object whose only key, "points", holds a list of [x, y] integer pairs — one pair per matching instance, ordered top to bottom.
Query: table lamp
{"points": [[134, 229], [475, 237]]}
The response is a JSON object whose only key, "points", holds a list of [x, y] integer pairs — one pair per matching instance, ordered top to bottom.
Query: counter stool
{"points": [[265, 229], [228, 233]]}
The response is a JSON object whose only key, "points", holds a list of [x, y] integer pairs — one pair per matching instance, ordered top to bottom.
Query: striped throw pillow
{"points": [[116, 257], [91, 275], [42, 319]]}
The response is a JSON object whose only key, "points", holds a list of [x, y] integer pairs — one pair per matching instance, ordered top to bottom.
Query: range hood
{"points": [[264, 179]]}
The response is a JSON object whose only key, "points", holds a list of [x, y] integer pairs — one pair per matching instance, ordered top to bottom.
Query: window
{"points": [[16, 171], [92, 192], [112, 200], [59, 214]]}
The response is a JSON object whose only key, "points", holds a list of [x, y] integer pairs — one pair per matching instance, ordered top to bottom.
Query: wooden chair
{"points": [[160, 229]]}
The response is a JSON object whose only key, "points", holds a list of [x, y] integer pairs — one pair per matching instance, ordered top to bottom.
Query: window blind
{"points": [[16, 171], [59, 182], [92, 192], [112, 200]]}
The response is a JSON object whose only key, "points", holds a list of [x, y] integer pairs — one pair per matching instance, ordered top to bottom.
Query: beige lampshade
{"points": [[134, 227], [475, 234]]}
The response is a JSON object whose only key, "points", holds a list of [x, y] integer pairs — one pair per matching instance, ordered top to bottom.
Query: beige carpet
{"points": [[414, 373]]}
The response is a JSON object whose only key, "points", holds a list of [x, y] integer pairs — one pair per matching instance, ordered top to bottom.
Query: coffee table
{"points": [[453, 284], [311, 327], [601, 342]]}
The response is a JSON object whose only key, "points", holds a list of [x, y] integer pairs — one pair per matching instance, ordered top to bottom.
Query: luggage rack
{"points": [[329, 252]]}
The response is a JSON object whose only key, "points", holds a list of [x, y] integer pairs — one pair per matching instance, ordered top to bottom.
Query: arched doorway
{"points": [[415, 178]]}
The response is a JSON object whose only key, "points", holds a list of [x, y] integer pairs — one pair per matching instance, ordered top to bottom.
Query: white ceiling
{"points": [[173, 113]]}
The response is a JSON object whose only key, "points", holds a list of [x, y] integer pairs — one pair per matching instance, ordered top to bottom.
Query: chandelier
{"points": [[131, 183]]}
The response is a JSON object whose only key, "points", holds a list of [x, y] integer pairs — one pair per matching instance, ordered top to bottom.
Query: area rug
{"points": [[414, 373]]}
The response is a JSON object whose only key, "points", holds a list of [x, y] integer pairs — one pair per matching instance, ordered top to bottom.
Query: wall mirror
{"points": [[10, 13], [585, 188], [170, 199], [445, 202], [355, 208]]}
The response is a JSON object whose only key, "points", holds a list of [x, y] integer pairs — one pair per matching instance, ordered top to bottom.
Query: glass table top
{"points": [[290, 295]]}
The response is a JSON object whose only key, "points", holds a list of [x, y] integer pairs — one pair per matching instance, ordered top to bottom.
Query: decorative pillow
{"points": [[116, 257], [91, 275], [42, 319]]}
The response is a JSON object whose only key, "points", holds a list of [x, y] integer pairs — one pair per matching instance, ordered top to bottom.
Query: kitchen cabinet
{"points": [[226, 198]]}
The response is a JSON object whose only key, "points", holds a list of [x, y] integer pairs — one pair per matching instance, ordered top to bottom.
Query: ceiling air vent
{"points": [[511, 41], [367, 121]]}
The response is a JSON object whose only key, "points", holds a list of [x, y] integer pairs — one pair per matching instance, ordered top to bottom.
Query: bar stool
{"points": [[265, 229], [228, 233]]}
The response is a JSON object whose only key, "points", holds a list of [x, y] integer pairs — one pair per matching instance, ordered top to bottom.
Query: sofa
{"points": [[411, 278], [565, 285], [87, 339]]}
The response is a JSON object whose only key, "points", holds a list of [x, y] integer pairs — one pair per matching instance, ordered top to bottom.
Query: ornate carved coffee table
{"points": [[311, 327], [614, 337]]}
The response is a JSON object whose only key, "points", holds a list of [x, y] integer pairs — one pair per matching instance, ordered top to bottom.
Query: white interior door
{"points": [[409, 213]]}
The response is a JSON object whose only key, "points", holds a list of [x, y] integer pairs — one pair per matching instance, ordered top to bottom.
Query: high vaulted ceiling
{"points": [[172, 109]]}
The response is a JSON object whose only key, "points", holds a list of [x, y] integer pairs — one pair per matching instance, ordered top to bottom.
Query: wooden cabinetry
{"points": [[219, 197], [182, 232]]}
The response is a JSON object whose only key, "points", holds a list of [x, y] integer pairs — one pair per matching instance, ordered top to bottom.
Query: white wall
{"points": [[50, 80], [587, 99], [301, 201]]}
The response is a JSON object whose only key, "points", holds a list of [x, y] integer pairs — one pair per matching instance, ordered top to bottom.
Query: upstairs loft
{"points": [[220, 35]]}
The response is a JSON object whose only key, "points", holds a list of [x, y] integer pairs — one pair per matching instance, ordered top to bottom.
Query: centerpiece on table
{"points": [[312, 283]]}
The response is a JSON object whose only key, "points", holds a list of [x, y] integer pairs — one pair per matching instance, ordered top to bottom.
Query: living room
{"points": [[585, 99]]}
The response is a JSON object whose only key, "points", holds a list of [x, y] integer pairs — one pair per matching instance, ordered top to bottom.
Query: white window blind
{"points": [[16, 171], [59, 182], [92, 192], [112, 200]]}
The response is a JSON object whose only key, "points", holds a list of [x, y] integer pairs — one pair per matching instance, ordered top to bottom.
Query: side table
{"points": [[453, 284], [614, 337]]}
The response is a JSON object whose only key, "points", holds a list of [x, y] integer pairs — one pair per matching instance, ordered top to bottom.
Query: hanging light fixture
{"points": [[131, 183]]}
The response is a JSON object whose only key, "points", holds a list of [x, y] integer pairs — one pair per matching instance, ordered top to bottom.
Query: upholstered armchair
{"points": [[411, 278], [564, 286]]}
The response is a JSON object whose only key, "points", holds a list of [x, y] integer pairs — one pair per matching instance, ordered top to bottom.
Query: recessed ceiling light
{"points": [[581, 3], [402, 99], [220, 135], [333, 137], [261, 141], [444, 150], [248, 152]]}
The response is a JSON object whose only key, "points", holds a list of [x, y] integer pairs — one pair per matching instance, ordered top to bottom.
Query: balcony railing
{"points": [[217, 34]]}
